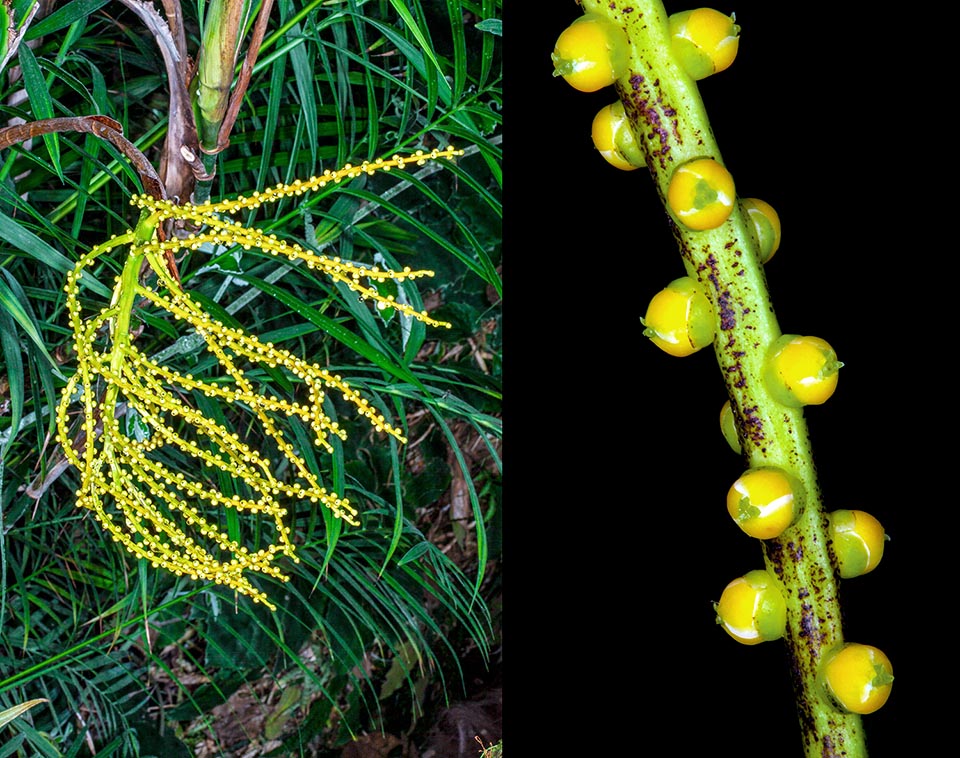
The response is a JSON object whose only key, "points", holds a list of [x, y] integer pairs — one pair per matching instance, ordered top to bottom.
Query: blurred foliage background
{"points": [[381, 624]]}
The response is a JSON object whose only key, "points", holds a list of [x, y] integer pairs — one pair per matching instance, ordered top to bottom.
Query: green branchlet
{"points": [[663, 106]]}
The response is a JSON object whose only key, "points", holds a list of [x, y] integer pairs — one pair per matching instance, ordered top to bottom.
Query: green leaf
{"points": [[400, 6], [6, 16], [64, 16], [490, 25], [460, 65], [304, 75], [436, 86], [39, 96], [23, 239], [31, 244], [10, 303], [13, 360], [135, 427], [413, 553], [10, 747]]}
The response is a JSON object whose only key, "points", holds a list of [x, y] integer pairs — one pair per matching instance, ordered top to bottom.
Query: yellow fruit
{"points": [[705, 41], [591, 53], [614, 139], [701, 194], [766, 226], [680, 319], [801, 370], [763, 502], [858, 541], [752, 609], [858, 677]]}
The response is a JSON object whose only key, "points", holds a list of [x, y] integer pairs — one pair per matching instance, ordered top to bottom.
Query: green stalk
{"points": [[215, 66], [669, 121], [123, 298]]}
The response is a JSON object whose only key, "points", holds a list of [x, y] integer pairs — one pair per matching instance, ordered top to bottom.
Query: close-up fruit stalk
{"points": [[789, 496]]}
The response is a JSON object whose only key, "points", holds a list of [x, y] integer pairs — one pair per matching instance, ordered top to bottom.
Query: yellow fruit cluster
{"points": [[660, 121], [170, 517]]}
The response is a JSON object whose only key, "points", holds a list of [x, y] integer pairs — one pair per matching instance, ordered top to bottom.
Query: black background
{"points": [[617, 539]]}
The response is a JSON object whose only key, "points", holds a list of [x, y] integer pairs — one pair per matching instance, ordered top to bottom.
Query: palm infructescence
{"points": [[653, 56], [220, 392]]}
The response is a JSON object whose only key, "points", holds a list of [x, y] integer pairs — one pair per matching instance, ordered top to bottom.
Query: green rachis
{"points": [[652, 61]]}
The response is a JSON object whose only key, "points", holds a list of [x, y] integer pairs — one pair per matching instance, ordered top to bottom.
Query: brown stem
{"points": [[175, 21], [101, 126], [177, 176]]}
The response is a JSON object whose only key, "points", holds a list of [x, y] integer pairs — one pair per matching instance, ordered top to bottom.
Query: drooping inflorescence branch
{"points": [[653, 61], [172, 517]]}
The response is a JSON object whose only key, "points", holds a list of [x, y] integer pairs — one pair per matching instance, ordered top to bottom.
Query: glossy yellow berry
{"points": [[705, 41], [591, 53], [613, 137], [701, 194], [766, 226], [679, 319], [801, 370], [729, 428], [764, 501], [858, 541], [752, 609], [858, 677]]}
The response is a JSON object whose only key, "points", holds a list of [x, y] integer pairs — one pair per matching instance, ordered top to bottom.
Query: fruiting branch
{"points": [[653, 61], [170, 517]]}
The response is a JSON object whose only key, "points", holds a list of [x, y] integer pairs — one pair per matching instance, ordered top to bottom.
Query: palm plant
{"points": [[126, 659]]}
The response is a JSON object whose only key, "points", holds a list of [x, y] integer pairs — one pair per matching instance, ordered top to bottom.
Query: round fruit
{"points": [[705, 41], [591, 53], [613, 137], [701, 193], [766, 226], [679, 319], [801, 370], [764, 502], [858, 540], [752, 609], [858, 677]]}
